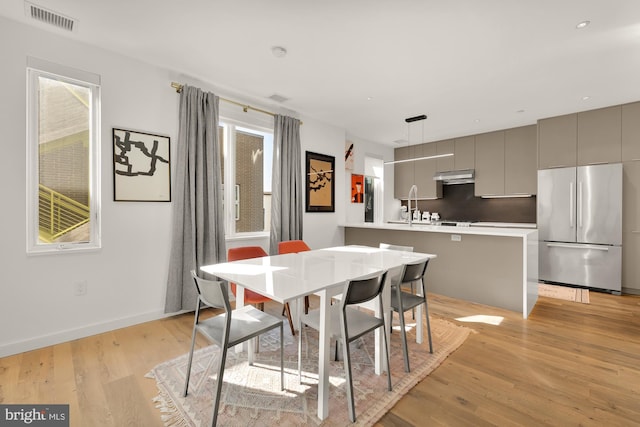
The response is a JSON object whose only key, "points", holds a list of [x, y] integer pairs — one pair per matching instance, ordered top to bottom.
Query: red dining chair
{"points": [[293, 247], [250, 297]]}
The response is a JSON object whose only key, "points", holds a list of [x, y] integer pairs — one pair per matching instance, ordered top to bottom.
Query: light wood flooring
{"points": [[568, 364]]}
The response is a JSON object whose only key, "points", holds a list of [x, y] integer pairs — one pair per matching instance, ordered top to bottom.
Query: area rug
{"points": [[564, 292], [251, 395]]}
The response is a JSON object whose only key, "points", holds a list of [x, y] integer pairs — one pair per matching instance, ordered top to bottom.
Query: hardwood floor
{"points": [[568, 364]]}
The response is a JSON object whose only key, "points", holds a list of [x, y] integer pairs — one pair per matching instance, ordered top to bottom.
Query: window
{"points": [[63, 109], [248, 157]]}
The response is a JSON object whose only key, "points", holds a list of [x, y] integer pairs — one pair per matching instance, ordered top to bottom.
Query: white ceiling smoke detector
{"points": [[279, 51]]}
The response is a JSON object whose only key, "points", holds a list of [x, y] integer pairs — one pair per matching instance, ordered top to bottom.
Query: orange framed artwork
{"points": [[357, 188]]}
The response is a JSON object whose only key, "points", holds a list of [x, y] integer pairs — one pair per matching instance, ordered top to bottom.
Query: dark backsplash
{"points": [[459, 203]]}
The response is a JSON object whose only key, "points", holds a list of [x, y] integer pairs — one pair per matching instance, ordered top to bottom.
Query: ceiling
{"points": [[365, 65]]}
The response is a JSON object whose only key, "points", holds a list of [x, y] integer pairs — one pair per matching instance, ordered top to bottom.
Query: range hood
{"points": [[465, 176]]}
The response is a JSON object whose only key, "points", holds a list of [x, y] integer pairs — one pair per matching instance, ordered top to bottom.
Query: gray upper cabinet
{"points": [[631, 131], [599, 136], [557, 141], [464, 153], [445, 163], [489, 164], [520, 166], [424, 171], [419, 172], [402, 173]]}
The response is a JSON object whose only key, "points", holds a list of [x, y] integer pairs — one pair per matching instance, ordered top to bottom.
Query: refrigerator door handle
{"points": [[571, 198], [579, 203], [575, 246]]}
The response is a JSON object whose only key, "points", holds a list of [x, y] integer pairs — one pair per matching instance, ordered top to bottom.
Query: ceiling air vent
{"points": [[49, 17], [278, 98]]}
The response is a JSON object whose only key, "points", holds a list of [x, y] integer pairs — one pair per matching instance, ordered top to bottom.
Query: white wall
{"points": [[127, 277]]}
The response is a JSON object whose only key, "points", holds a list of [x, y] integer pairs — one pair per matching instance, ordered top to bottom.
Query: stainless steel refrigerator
{"points": [[580, 226]]}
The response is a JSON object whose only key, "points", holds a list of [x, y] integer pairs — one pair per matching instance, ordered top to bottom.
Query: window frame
{"points": [[37, 68], [230, 192]]}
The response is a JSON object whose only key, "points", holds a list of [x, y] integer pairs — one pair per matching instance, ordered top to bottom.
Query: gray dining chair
{"points": [[394, 277], [402, 301], [347, 324], [228, 329]]}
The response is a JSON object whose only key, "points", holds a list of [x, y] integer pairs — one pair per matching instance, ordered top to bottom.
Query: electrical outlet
{"points": [[456, 238], [80, 288]]}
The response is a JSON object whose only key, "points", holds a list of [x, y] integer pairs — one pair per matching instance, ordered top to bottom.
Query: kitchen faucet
{"points": [[414, 190]]}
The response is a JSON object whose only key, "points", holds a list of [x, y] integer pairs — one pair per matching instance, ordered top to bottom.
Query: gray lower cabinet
{"points": [[489, 164], [631, 196], [631, 226], [630, 262]]}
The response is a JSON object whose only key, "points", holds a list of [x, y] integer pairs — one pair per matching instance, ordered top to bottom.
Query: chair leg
{"points": [[306, 304], [259, 306], [287, 309], [426, 313], [403, 332], [386, 351], [300, 355], [281, 357], [347, 370], [188, 373], [216, 397]]}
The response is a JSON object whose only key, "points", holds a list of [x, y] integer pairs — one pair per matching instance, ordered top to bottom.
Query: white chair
{"points": [[402, 301], [347, 324], [228, 329]]}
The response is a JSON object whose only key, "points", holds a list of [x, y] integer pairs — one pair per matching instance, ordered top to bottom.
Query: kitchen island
{"points": [[496, 266]]}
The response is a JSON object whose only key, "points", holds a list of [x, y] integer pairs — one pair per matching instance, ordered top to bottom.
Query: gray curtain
{"points": [[286, 183], [198, 219]]}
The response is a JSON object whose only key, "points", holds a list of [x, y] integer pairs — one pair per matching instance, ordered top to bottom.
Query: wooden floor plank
{"points": [[568, 364]]}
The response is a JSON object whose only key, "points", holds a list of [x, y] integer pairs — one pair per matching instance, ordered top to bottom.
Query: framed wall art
{"points": [[141, 167], [320, 182], [357, 188]]}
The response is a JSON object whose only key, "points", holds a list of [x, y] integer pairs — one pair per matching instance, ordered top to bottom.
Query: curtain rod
{"points": [[245, 107]]}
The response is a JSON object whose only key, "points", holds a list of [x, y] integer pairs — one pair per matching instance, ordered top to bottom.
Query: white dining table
{"points": [[324, 272]]}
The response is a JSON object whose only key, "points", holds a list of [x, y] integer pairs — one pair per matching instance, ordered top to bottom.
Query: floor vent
{"points": [[49, 17]]}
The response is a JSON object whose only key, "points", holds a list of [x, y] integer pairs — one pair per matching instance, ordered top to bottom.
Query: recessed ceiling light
{"points": [[583, 24], [278, 51], [369, 98], [585, 98], [520, 111], [477, 120]]}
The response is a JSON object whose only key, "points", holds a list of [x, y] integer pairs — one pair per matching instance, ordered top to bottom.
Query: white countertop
{"points": [[504, 224], [508, 231]]}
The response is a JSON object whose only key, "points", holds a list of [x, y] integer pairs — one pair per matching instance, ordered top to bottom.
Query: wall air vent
{"points": [[49, 17]]}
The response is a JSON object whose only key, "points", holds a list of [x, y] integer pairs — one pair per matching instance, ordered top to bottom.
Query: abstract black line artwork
{"points": [[141, 166], [320, 182]]}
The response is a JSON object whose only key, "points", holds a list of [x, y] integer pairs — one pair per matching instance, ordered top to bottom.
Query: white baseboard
{"points": [[81, 332]]}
